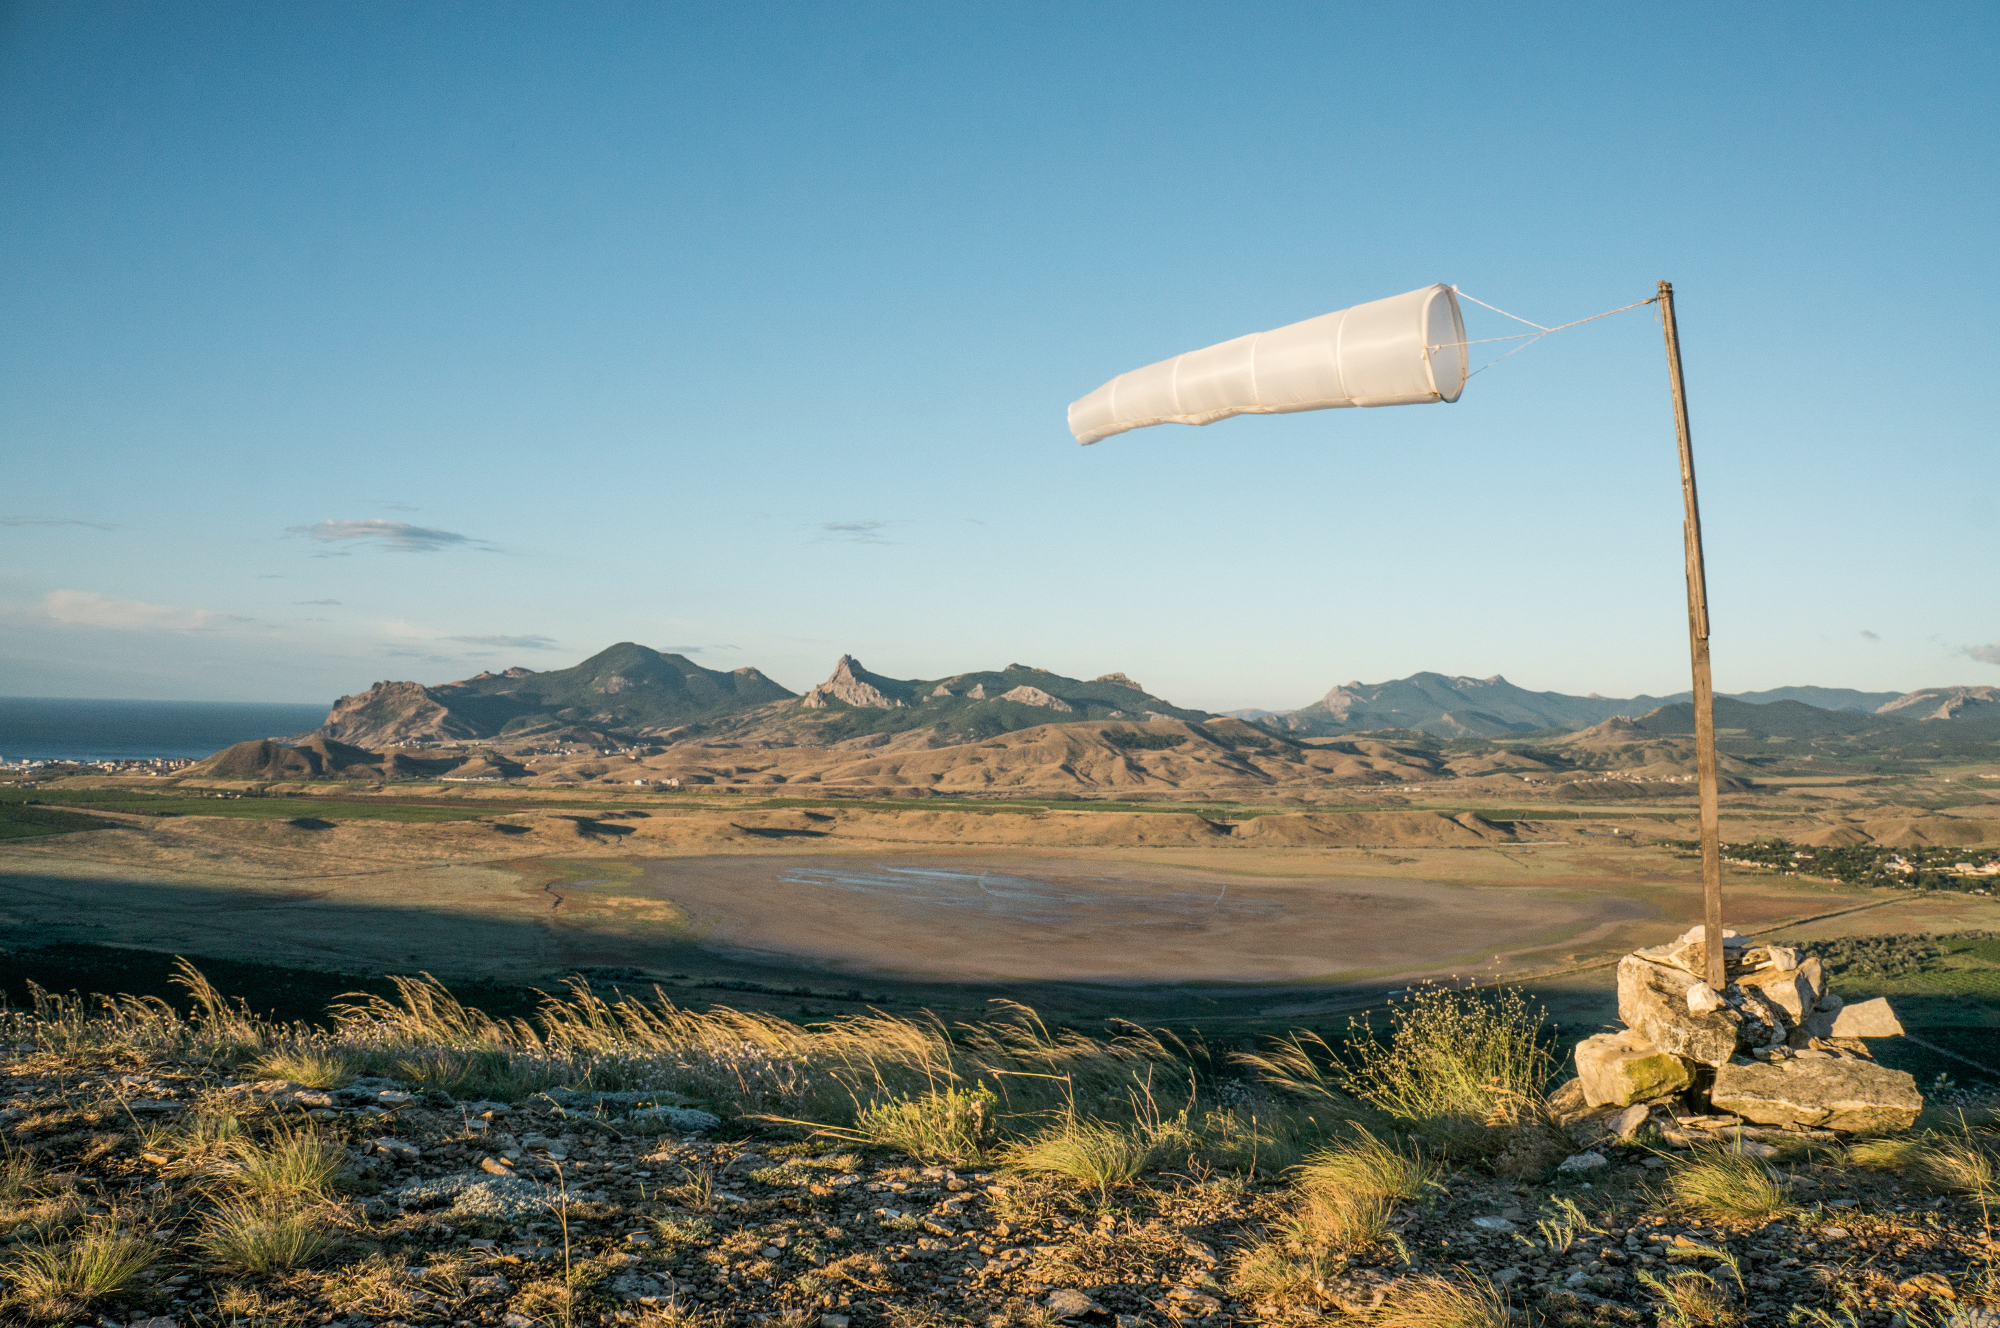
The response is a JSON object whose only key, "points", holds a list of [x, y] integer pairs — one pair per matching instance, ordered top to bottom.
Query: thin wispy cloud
{"points": [[401, 507], [52, 521], [855, 532], [395, 536], [315, 601], [87, 608], [1867, 635], [509, 642], [1985, 654]]}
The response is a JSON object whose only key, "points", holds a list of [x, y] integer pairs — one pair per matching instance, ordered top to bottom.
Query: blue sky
{"points": [[349, 342]]}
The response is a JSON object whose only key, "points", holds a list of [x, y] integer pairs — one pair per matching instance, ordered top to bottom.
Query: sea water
{"points": [[37, 728]]}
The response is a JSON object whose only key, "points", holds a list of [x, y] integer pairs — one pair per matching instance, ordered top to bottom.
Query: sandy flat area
{"points": [[1047, 919]]}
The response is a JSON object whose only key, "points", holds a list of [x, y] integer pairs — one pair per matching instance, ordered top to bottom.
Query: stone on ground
{"points": [[1790, 989], [1652, 1001], [1867, 1019], [1617, 1069], [1843, 1094]]}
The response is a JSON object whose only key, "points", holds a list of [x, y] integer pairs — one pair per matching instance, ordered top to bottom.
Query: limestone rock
{"points": [[850, 684], [1035, 696], [1685, 952], [1790, 989], [1703, 998], [1652, 1001], [1868, 1019], [1617, 1069], [1844, 1094], [1568, 1102], [1627, 1123], [1584, 1162], [1070, 1303]]}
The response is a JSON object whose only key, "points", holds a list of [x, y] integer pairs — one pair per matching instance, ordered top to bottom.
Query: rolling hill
{"points": [[627, 690], [855, 705], [1451, 707]]}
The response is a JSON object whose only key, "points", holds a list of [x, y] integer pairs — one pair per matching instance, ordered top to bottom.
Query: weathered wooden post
{"points": [[1704, 683]]}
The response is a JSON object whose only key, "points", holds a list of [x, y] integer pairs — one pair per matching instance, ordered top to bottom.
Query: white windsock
{"points": [[1401, 351]]}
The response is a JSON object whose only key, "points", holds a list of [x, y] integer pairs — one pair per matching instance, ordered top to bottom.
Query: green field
{"points": [[17, 801], [23, 822]]}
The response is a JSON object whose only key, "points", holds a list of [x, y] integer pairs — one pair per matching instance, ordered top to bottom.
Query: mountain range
{"points": [[631, 693], [1450, 707]]}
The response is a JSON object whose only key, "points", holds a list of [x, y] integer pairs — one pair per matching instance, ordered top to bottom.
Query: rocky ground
{"points": [[578, 1208]]}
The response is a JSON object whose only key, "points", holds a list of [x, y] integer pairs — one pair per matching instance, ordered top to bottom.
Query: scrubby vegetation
{"points": [[1869, 864], [628, 1161]]}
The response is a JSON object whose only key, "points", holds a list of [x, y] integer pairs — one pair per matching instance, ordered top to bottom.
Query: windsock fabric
{"points": [[1402, 351]]}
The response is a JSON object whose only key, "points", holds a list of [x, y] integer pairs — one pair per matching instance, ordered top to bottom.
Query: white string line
{"points": [[1527, 338]]}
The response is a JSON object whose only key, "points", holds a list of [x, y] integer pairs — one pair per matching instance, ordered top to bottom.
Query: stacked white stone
{"points": [[1775, 1047]]}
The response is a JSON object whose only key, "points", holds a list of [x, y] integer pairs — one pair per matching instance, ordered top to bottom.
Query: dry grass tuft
{"points": [[1462, 1066], [310, 1067], [955, 1125], [1097, 1154], [294, 1164], [1367, 1165], [1956, 1166], [19, 1178], [1718, 1183], [1344, 1201], [259, 1234], [58, 1281], [1693, 1300], [1445, 1302]]}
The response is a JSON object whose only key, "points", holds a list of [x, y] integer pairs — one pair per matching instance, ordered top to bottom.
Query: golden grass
{"points": [[1457, 1064], [309, 1067], [955, 1125], [1086, 1151], [294, 1164], [1366, 1165], [1954, 1165], [19, 1177], [1723, 1184], [1343, 1202], [260, 1234], [56, 1281], [1693, 1300], [1445, 1302]]}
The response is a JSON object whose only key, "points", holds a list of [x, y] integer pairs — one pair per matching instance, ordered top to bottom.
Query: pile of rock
{"points": [[1774, 1048]]}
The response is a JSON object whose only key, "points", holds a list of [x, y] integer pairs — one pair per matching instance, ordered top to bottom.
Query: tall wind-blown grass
{"points": [[1461, 1066], [902, 1076]]}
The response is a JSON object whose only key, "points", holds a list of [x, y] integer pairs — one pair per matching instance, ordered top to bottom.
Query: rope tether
{"points": [[1529, 338]]}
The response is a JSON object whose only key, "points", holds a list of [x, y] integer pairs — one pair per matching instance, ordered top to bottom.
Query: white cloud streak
{"points": [[395, 536], [87, 608], [509, 642]]}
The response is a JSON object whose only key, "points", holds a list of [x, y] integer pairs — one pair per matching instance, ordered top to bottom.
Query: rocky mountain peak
{"points": [[853, 685]]}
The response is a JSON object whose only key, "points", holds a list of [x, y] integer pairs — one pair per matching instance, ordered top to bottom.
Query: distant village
{"points": [[169, 765]]}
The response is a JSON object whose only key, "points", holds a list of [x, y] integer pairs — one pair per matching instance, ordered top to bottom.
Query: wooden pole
{"points": [[1704, 684]]}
